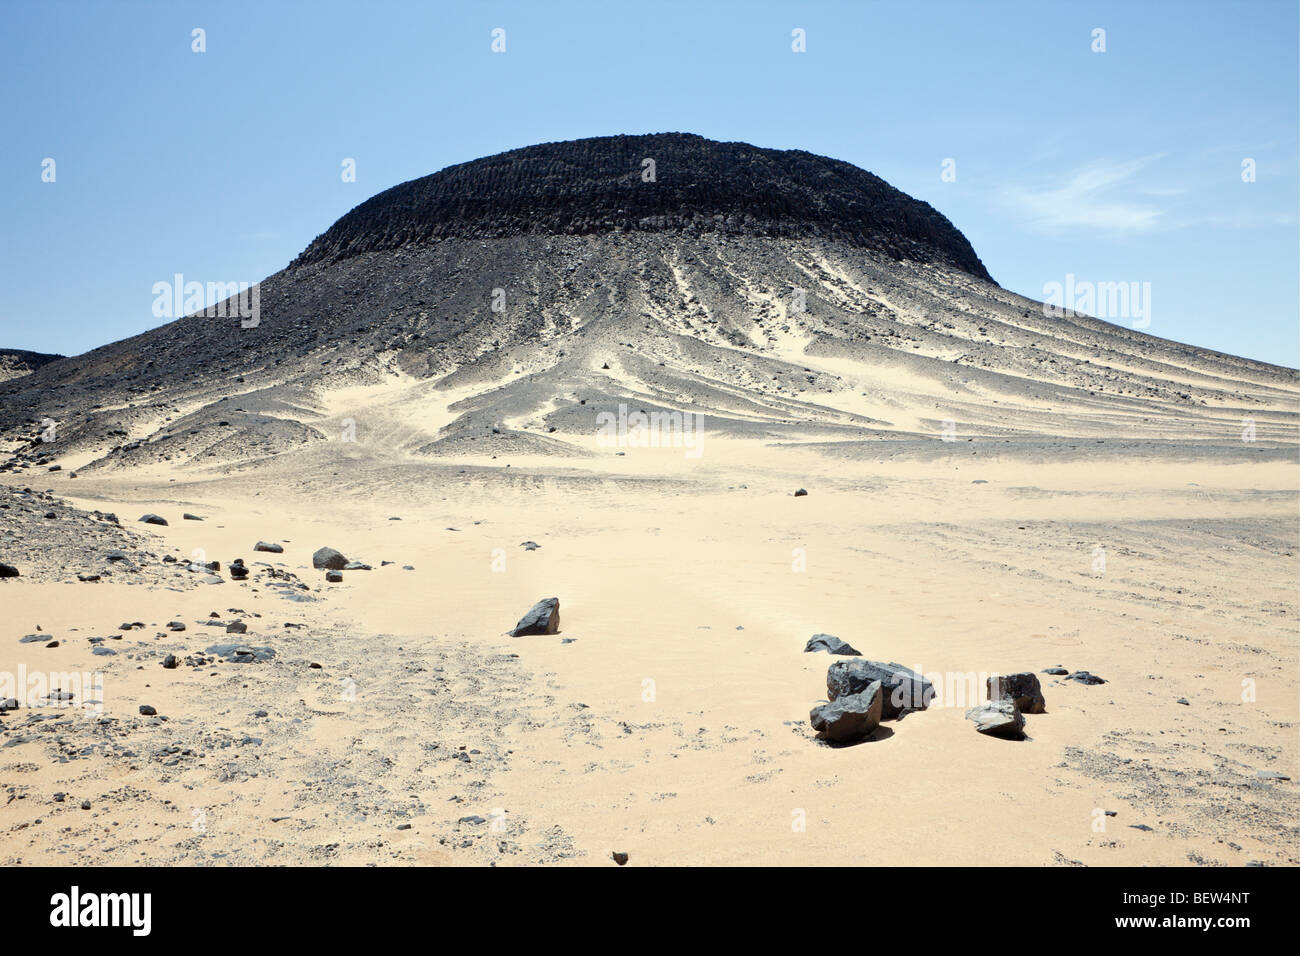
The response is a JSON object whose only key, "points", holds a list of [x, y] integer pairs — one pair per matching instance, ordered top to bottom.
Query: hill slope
{"points": [[504, 304]]}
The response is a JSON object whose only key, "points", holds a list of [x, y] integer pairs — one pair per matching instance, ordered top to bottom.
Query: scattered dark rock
{"points": [[801, 493], [189, 517], [153, 519], [529, 545], [270, 546], [328, 559], [357, 566], [8, 571], [238, 571], [334, 577], [542, 618], [175, 625], [236, 627], [831, 644], [241, 653], [169, 661], [1056, 671], [1083, 677], [1023, 688], [902, 689], [147, 711], [850, 717], [999, 718], [617, 857]]}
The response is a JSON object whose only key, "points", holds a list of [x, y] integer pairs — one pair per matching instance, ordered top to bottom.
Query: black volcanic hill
{"points": [[592, 186], [500, 306], [16, 362]]}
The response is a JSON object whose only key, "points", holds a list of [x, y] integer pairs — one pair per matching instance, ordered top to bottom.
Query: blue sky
{"points": [[1122, 166]]}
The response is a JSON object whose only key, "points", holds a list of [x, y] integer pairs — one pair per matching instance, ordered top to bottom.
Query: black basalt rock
{"points": [[542, 618], [902, 689]]}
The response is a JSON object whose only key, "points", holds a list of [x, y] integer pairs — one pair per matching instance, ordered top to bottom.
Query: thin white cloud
{"points": [[1100, 196]]}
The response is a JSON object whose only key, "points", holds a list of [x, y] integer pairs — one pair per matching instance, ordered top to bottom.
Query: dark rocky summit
{"points": [[591, 186]]}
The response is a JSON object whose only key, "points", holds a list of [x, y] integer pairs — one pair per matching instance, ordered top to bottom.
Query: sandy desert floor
{"points": [[669, 717]]}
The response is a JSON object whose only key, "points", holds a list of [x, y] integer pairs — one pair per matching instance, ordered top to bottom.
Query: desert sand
{"points": [[668, 718]]}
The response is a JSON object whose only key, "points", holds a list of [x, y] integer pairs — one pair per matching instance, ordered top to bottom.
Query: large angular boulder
{"points": [[328, 559], [542, 618], [831, 645], [1023, 688], [902, 689], [849, 718], [998, 718]]}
